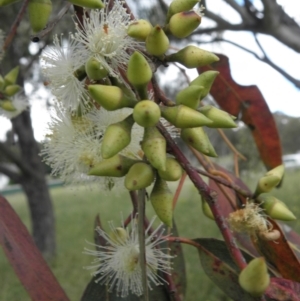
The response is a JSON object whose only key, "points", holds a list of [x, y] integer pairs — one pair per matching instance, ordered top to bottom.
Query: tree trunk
{"points": [[35, 187]]}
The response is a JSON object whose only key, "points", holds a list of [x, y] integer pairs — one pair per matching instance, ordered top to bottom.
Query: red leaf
{"points": [[249, 102], [280, 254], [26, 259]]}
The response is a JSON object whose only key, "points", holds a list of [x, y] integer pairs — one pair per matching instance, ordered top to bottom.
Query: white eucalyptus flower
{"points": [[104, 34], [60, 62], [14, 106], [74, 145], [117, 264]]}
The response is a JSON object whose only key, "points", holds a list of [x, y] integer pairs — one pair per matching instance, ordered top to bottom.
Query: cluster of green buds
{"points": [[9, 88], [272, 206]]}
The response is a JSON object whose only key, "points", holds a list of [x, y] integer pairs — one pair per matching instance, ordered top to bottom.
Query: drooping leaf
{"points": [[247, 102], [280, 254], [25, 258], [221, 269], [178, 272], [283, 290], [99, 292]]}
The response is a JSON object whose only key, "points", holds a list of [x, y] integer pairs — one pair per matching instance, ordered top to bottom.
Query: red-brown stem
{"points": [[14, 27], [159, 96], [224, 182], [178, 190], [209, 195], [183, 241]]}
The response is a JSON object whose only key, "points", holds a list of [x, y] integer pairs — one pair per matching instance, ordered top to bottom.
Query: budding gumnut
{"points": [[89, 3], [178, 6], [39, 13], [182, 24], [139, 29], [157, 43], [192, 57], [94, 69], [139, 72], [11, 77], [205, 80], [12, 90], [189, 96], [110, 97], [7, 105], [146, 113], [184, 117], [219, 118], [116, 137], [197, 138], [154, 146], [116, 166], [173, 170], [139, 176], [270, 180], [162, 201], [275, 208], [206, 209], [254, 278]]}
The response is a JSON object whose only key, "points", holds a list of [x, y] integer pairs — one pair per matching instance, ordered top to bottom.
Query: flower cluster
{"points": [[117, 263]]}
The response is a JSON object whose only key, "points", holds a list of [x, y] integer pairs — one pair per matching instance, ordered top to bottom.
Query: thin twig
{"points": [[14, 27], [230, 145], [178, 190], [209, 195], [141, 232]]}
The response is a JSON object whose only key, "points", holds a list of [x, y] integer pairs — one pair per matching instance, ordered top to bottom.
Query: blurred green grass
{"points": [[75, 212]]}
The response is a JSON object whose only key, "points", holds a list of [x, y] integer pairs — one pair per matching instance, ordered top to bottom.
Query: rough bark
{"points": [[35, 187]]}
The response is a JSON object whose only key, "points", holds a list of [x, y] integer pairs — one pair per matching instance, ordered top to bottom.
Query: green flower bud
{"points": [[7, 2], [89, 3], [178, 6], [39, 13], [182, 24], [139, 29], [157, 43], [192, 57], [94, 69], [139, 73], [11, 77], [205, 80], [11, 90], [189, 96], [110, 97], [7, 105], [146, 113], [184, 117], [219, 118], [117, 136], [197, 138], [154, 146], [116, 166], [173, 170], [277, 171], [139, 176], [270, 180], [266, 184], [162, 201], [275, 208], [206, 209], [118, 236], [254, 278]]}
